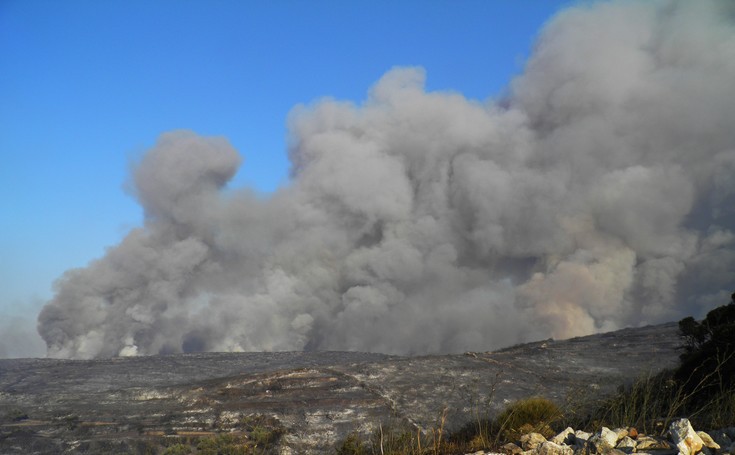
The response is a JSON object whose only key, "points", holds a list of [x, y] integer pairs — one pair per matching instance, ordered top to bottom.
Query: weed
{"points": [[535, 414]]}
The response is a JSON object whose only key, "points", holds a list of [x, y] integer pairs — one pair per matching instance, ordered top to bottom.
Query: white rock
{"points": [[621, 432], [682, 434], [565, 437], [580, 437], [605, 440], [531, 441], [708, 441], [645, 443], [626, 445], [511, 448], [550, 448]]}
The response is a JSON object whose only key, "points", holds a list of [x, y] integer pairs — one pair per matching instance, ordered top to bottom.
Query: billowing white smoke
{"points": [[599, 194]]}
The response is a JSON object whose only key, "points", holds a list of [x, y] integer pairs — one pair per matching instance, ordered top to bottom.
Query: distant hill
{"points": [[307, 401]]}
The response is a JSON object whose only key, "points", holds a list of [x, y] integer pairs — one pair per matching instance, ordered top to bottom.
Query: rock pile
{"points": [[681, 439]]}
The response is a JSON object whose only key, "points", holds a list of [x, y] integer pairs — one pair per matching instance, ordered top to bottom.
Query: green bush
{"points": [[223, 444], [352, 445], [178, 449]]}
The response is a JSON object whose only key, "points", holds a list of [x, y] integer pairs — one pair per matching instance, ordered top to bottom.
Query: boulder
{"points": [[621, 432], [683, 436], [565, 437], [580, 437], [604, 440], [531, 441], [708, 441], [646, 443], [626, 444], [511, 448], [551, 448], [614, 452]]}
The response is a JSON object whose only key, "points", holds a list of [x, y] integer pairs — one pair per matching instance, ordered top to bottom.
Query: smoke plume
{"points": [[599, 193]]}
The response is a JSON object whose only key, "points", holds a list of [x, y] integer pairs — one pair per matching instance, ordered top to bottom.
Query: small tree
{"points": [[708, 359]]}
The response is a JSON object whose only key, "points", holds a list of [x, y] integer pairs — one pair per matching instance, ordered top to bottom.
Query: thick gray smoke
{"points": [[599, 194]]}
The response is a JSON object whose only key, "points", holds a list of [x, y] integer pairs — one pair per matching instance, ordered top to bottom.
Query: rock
{"points": [[621, 432], [730, 432], [682, 434], [565, 437], [580, 437], [721, 438], [604, 440], [531, 441], [708, 441], [646, 443], [626, 444], [512, 448], [551, 448], [614, 452]]}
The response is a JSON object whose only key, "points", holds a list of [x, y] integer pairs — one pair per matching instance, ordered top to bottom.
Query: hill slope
{"points": [[140, 404]]}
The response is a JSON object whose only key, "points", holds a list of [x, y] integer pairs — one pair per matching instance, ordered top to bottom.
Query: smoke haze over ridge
{"points": [[599, 194]]}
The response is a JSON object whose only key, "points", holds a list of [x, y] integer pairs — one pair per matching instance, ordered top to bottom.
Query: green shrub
{"points": [[708, 361], [264, 431], [223, 444], [352, 445], [178, 449]]}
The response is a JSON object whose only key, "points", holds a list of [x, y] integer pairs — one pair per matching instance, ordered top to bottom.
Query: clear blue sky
{"points": [[87, 86]]}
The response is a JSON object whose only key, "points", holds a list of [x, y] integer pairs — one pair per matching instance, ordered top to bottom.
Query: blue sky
{"points": [[87, 86]]}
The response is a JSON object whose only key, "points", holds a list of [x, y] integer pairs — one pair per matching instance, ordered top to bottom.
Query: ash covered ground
{"points": [[138, 404]]}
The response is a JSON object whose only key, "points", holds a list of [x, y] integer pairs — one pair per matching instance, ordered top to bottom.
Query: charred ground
{"points": [[301, 401]]}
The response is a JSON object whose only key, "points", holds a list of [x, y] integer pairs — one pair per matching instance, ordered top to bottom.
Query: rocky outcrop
{"points": [[681, 439]]}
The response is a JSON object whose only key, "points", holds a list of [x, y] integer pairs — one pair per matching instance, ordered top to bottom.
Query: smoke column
{"points": [[600, 193]]}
